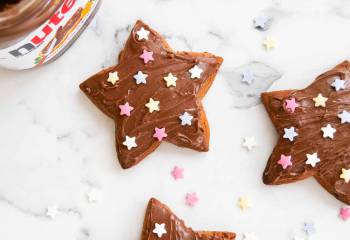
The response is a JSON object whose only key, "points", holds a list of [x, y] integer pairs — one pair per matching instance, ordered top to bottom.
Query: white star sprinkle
{"points": [[262, 22], [142, 34], [195, 72], [113, 77], [140, 77], [248, 77], [170, 80], [338, 84], [320, 101], [152, 105], [344, 116], [186, 119], [328, 131], [290, 133], [130, 142], [249, 143], [312, 159], [92, 196], [52, 211], [159, 229], [249, 236]]}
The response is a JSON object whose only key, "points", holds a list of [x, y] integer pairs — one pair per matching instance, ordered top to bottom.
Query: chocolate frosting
{"points": [[174, 101], [334, 154], [175, 228]]}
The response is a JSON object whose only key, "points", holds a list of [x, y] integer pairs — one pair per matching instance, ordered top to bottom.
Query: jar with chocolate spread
{"points": [[35, 32]]}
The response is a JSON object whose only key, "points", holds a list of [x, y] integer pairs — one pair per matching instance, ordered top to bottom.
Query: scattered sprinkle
{"points": [[262, 22], [142, 34], [269, 43], [147, 56], [195, 72], [113, 77], [140, 77], [170, 80], [338, 84], [320, 101], [291, 104], [152, 105], [125, 109], [344, 116], [186, 119], [328, 131], [159, 133], [290, 133], [130, 142], [249, 143], [312, 159], [285, 161], [177, 173], [345, 175], [191, 199], [244, 203], [344, 213], [309, 228], [159, 229]]}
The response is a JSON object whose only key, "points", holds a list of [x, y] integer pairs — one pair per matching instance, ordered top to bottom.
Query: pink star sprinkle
{"points": [[147, 56], [291, 104], [125, 109], [159, 133], [285, 161], [178, 173], [191, 199], [344, 213]]}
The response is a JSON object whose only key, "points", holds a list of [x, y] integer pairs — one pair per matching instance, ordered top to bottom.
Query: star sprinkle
{"points": [[262, 22], [142, 34], [269, 43], [147, 56], [195, 72], [113, 77], [140, 77], [248, 77], [170, 80], [338, 84], [144, 87], [320, 101], [291, 104], [152, 105], [125, 109], [344, 117], [186, 119], [314, 125], [328, 131], [159, 133], [290, 133], [130, 142], [249, 143], [312, 159], [285, 161], [177, 173], [345, 175], [93, 196], [191, 199], [244, 203], [52, 212], [344, 213], [174, 228], [309, 228], [159, 229], [249, 236]]}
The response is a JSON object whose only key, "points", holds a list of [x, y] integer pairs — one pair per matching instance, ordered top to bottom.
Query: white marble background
{"points": [[55, 146]]}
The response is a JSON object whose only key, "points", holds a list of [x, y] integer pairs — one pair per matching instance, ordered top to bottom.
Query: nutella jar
{"points": [[35, 32]]}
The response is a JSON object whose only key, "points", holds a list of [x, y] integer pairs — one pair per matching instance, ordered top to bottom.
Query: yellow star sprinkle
{"points": [[269, 43], [113, 77], [170, 80], [320, 101], [152, 105], [345, 175], [244, 203]]}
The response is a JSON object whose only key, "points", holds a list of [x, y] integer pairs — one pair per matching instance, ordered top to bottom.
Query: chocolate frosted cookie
{"points": [[153, 95], [314, 129], [161, 223]]}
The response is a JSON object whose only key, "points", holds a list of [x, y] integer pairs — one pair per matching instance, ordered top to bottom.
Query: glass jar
{"points": [[35, 32]]}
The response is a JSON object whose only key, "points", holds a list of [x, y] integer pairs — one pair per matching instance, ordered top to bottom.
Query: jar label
{"points": [[51, 38]]}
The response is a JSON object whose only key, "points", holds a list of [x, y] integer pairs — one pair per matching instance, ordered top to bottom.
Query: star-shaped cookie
{"points": [[156, 103], [321, 147], [161, 223]]}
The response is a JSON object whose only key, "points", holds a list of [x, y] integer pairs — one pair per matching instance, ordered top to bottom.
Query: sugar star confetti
{"points": [[262, 22], [142, 34], [269, 43], [147, 56], [195, 72], [113, 77], [140, 77], [248, 77], [170, 80], [338, 84], [320, 101], [291, 104], [152, 105], [125, 109], [344, 117], [186, 119], [328, 131], [159, 133], [290, 133], [322, 133], [130, 142], [249, 143], [312, 159], [285, 161], [177, 173], [345, 175], [191, 199], [244, 203], [344, 213], [309, 228], [159, 229]]}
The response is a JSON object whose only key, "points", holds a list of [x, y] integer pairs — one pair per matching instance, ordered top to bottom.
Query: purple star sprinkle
{"points": [[309, 228]]}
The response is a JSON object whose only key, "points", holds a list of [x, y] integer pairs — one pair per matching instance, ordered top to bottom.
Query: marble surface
{"points": [[56, 146]]}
